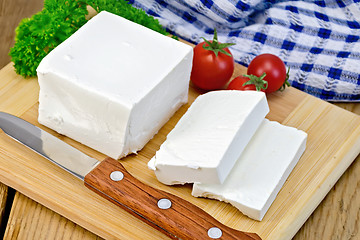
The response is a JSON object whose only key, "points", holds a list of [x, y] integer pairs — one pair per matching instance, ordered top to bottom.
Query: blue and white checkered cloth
{"points": [[318, 40]]}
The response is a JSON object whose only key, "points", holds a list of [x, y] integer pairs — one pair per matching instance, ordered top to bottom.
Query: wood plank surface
{"points": [[11, 13], [3, 197], [336, 218], [27, 220]]}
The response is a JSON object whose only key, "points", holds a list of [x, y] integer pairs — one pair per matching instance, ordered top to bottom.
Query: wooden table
{"points": [[337, 217]]}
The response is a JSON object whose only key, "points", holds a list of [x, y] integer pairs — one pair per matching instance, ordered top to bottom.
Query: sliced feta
{"points": [[113, 84], [209, 138], [261, 170]]}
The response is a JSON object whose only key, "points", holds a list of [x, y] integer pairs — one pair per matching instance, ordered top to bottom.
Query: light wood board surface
{"points": [[333, 143], [337, 217]]}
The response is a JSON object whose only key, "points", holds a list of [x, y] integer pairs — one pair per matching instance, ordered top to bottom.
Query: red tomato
{"points": [[212, 67], [275, 70], [238, 84]]}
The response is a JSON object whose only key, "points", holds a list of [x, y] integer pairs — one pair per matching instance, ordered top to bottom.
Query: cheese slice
{"points": [[113, 84], [209, 138], [261, 170]]}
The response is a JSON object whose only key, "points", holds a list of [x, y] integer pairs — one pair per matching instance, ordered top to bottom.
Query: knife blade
{"points": [[172, 215]]}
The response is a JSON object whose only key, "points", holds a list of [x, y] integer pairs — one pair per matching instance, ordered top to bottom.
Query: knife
{"points": [[172, 215]]}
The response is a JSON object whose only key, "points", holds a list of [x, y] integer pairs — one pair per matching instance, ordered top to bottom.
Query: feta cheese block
{"points": [[113, 84], [209, 137], [261, 170]]}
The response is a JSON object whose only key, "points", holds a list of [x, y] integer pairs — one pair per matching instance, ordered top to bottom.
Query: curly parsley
{"points": [[59, 19]]}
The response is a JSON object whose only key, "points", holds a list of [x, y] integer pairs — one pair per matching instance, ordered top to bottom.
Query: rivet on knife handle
{"points": [[168, 213]]}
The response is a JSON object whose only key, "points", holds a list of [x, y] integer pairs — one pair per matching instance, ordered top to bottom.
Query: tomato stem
{"points": [[217, 47], [259, 82], [286, 83]]}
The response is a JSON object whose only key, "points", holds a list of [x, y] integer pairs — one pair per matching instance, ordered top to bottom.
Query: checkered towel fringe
{"points": [[318, 40]]}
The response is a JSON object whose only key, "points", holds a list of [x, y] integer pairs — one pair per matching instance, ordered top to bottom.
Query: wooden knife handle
{"points": [[168, 213]]}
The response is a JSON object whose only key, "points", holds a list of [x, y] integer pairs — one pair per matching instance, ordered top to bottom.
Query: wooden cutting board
{"points": [[333, 143]]}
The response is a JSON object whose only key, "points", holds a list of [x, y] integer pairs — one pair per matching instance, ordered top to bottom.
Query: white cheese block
{"points": [[113, 84], [209, 138], [261, 170]]}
